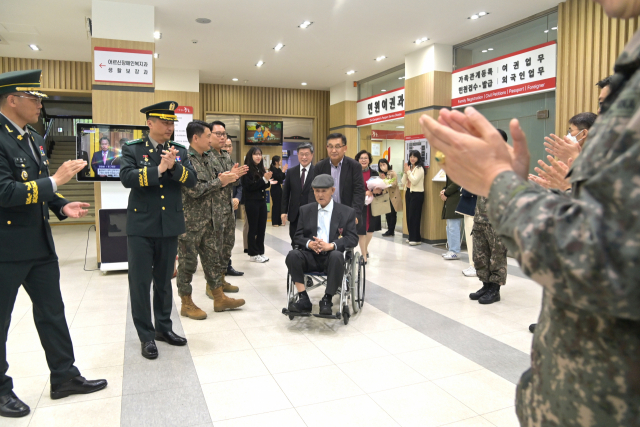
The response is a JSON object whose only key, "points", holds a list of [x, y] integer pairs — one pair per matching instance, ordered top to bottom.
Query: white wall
{"points": [[122, 21], [437, 57], [177, 79], [342, 92]]}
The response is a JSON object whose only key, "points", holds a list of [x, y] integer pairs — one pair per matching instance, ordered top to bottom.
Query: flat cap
{"points": [[27, 81], [162, 110], [322, 181]]}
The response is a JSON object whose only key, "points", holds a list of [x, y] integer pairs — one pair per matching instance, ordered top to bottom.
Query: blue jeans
{"points": [[453, 234]]}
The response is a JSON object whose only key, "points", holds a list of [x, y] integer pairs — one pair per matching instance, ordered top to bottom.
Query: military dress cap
{"points": [[27, 81], [162, 110], [323, 181]]}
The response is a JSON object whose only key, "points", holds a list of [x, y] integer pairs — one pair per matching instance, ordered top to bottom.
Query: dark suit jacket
{"points": [[96, 160], [352, 189], [293, 194], [26, 195], [155, 203], [343, 223]]}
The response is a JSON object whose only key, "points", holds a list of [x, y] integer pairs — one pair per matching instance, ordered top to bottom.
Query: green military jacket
{"points": [[26, 195], [155, 203], [584, 249]]}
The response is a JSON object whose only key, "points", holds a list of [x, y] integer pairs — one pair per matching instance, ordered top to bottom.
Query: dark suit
{"points": [[98, 160], [352, 191], [276, 195], [294, 195], [155, 219], [342, 232], [27, 252]]}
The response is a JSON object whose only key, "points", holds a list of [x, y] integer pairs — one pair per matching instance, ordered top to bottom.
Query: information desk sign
{"points": [[113, 65], [528, 71], [380, 108]]}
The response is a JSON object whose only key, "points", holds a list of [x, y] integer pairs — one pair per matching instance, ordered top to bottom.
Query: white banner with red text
{"points": [[381, 108]]}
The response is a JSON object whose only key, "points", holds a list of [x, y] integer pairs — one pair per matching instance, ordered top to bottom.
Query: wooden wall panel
{"points": [[589, 43], [123, 44], [69, 75], [426, 90], [191, 99], [262, 101], [343, 113]]}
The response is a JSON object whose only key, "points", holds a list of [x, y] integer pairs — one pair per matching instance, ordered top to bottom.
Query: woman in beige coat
{"points": [[395, 197]]}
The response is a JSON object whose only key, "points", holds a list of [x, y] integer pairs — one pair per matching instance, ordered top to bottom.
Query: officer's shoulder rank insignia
{"points": [[8, 128], [32, 129], [134, 141], [177, 145]]}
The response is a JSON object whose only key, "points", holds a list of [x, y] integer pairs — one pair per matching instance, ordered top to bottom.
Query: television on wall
{"points": [[262, 132], [100, 145]]}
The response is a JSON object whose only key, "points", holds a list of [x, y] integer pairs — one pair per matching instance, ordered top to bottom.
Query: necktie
{"points": [[160, 148], [104, 157], [304, 170]]}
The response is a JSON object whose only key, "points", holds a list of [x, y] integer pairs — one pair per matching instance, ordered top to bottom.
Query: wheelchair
{"points": [[351, 290]]}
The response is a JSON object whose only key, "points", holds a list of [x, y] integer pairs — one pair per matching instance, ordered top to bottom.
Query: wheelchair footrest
{"points": [[295, 313], [329, 316]]}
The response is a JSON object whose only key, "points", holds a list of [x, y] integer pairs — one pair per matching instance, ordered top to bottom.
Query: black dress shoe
{"points": [[388, 234], [233, 272], [477, 294], [492, 295], [303, 305], [325, 306], [171, 338], [149, 350], [76, 385], [12, 407]]}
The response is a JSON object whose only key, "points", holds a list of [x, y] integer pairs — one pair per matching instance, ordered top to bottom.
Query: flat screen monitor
{"points": [[262, 132], [101, 146]]}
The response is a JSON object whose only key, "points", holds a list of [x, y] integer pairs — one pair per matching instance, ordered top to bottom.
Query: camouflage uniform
{"points": [[225, 219], [202, 224], [585, 251], [489, 254]]}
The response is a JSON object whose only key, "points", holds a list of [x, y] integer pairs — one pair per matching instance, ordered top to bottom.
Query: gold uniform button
{"points": [[40, 173], [160, 186], [162, 197], [163, 208], [135, 210], [9, 222]]}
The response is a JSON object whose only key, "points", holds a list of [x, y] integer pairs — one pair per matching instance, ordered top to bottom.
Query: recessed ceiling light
{"points": [[482, 13], [478, 15], [474, 17], [203, 20], [305, 24], [554, 28], [546, 31], [157, 35], [422, 40], [34, 47], [278, 47], [490, 49], [485, 51], [156, 55], [380, 58], [260, 64], [350, 72], [401, 78], [234, 79], [304, 84], [383, 90], [399, 127]]}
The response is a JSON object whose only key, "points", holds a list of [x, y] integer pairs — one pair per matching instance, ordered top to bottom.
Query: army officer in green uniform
{"points": [[155, 168], [27, 252]]}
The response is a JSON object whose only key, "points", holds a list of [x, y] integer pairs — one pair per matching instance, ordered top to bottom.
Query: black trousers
{"points": [[276, 204], [414, 215], [257, 216], [392, 219], [293, 226], [151, 260], [304, 261], [41, 280]]}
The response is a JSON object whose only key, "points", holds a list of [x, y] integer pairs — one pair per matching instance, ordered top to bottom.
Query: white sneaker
{"points": [[406, 240], [415, 243], [446, 253], [451, 256], [257, 258], [265, 258], [470, 272]]}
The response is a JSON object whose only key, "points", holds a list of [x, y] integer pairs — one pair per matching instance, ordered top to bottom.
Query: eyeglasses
{"points": [[38, 101], [219, 134], [336, 147], [304, 154]]}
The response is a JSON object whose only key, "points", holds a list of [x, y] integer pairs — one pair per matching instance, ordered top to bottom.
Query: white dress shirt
{"points": [[324, 223]]}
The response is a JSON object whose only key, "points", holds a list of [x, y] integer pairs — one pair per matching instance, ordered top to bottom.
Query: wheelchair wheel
{"points": [[358, 284], [291, 294], [346, 314]]}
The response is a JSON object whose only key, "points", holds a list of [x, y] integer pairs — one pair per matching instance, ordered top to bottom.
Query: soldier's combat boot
{"points": [[228, 287], [209, 293], [477, 294], [492, 295], [221, 302], [190, 310]]}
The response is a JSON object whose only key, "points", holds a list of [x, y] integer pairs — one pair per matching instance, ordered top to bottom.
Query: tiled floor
{"points": [[255, 367]]}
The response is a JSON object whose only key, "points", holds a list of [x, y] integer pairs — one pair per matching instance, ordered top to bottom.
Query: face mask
{"points": [[574, 139]]}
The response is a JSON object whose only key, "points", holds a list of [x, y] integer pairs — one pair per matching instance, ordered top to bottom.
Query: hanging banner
{"points": [[113, 65], [520, 73], [381, 108], [185, 115], [386, 134], [420, 143]]}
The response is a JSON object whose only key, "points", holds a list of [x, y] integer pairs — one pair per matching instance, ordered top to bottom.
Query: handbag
{"points": [[381, 205]]}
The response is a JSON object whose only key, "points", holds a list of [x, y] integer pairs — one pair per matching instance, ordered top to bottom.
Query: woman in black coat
{"points": [[254, 186], [276, 190]]}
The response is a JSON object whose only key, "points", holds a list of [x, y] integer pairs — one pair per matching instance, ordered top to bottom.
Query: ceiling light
{"points": [[482, 13], [478, 15], [474, 17], [203, 20], [305, 24], [554, 28], [546, 31], [157, 35], [422, 40], [34, 47], [278, 47], [490, 49], [485, 51], [156, 55], [380, 58], [260, 64], [350, 72], [401, 78], [234, 79], [304, 84], [383, 90], [399, 127]]}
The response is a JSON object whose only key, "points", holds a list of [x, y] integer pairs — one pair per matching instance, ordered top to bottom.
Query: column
{"points": [[342, 117]]}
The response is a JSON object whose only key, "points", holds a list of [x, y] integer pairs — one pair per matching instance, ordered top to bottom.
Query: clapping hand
{"points": [[562, 148], [168, 159], [406, 167], [285, 168], [67, 170], [240, 170], [268, 175], [552, 175], [227, 178], [75, 209]]}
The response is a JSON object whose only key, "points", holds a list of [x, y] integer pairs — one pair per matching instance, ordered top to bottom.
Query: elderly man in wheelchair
{"points": [[324, 240]]}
